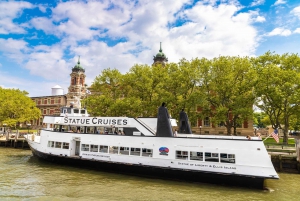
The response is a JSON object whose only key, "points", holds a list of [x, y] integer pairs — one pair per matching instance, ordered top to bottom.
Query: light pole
{"points": [[4, 125], [28, 125], [200, 129]]}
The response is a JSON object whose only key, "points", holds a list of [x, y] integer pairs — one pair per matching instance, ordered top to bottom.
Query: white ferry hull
{"points": [[252, 166], [156, 172]]}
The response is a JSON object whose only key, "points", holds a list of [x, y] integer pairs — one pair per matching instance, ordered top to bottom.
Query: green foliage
{"points": [[227, 85], [225, 88], [278, 92], [16, 106], [258, 119]]}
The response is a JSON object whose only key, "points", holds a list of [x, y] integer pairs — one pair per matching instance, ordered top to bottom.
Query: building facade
{"points": [[77, 88], [51, 105]]}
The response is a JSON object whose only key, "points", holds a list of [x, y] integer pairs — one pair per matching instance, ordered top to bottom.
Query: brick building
{"points": [[50, 105]]}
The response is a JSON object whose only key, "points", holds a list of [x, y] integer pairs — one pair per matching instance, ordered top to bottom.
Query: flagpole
{"points": [[266, 138]]}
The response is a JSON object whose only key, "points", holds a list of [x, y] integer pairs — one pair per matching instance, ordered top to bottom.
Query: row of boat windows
{"points": [[88, 129], [61, 145], [105, 149], [117, 150], [183, 155], [206, 156]]}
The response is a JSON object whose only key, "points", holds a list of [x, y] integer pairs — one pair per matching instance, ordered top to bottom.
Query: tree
{"points": [[227, 84], [182, 87], [278, 91], [16, 106], [258, 119]]}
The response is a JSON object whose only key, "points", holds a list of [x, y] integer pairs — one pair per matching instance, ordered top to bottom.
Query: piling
{"points": [[13, 140]]}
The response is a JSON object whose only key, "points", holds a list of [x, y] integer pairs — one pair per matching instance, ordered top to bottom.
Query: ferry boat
{"points": [[147, 146]]}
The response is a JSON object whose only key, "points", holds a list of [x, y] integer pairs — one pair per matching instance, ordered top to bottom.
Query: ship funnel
{"points": [[184, 126], [163, 128]]}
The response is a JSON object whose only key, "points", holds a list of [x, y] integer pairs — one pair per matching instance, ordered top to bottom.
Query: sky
{"points": [[41, 40]]}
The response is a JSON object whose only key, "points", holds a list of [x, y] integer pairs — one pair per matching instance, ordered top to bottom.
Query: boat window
{"points": [[76, 111], [82, 111], [56, 127], [64, 128], [72, 129], [90, 129], [50, 144], [58, 144], [65, 145], [85, 147], [94, 148], [103, 149], [113, 150], [124, 150], [135, 151], [147, 152], [182, 155], [196, 155], [212, 157], [227, 158]]}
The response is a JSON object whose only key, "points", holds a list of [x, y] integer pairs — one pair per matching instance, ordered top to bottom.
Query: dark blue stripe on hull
{"points": [[139, 170]]}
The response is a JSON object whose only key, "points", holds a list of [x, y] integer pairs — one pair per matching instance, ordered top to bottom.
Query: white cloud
{"points": [[278, 2], [257, 3], [9, 11], [296, 11], [260, 19], [43, 23], [87, 28], [297, 31], [280, 32], [14, 49], [47, 61]]}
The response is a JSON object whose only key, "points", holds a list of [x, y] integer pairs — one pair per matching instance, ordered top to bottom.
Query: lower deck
{"points": [[224, 156], [156, 172]]}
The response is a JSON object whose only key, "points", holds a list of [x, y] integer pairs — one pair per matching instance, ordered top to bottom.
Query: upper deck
{"points": [[73, 112]]}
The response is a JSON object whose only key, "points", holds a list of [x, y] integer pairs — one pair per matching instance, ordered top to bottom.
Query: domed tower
{"points": [[160, 57], [77, 88]]}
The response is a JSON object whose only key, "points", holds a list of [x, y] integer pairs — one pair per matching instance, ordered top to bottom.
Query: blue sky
{"points": [[40, 41]]}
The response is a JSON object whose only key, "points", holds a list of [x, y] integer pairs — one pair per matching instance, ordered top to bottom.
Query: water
{"points": [[23, 177]]}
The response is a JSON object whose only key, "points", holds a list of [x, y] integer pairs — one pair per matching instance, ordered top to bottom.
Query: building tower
{"points": [[160, 58], [77, 88]]}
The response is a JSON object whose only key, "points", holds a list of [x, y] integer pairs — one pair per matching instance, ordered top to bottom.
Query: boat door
{"points": [[77, 148]]}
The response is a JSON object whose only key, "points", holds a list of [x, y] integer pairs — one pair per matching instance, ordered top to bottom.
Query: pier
{"points": [[15, 140]]}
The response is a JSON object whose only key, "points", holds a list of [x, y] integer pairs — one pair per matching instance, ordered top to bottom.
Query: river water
{"points": [[24, 177]]}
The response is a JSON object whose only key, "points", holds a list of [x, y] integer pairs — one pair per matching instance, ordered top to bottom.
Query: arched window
{"points": [[74, 81]]}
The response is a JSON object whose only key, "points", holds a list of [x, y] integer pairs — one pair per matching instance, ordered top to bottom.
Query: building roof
{"points": [[160, 56], [78, 67], [56, 87]]}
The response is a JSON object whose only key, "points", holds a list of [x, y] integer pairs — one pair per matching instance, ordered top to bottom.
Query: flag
{"points": [[275, 135]]}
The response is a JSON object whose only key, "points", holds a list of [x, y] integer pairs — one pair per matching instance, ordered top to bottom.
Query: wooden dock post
{"points": [[7, 138], [297, 143], [280, 163]]}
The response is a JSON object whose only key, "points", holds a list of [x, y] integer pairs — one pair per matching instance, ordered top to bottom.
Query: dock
{"points": [[14, 140]]}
